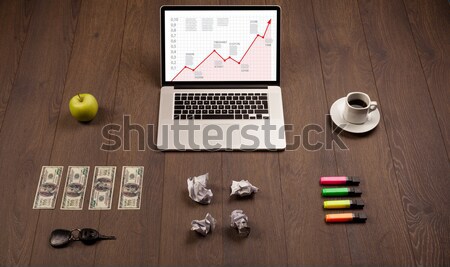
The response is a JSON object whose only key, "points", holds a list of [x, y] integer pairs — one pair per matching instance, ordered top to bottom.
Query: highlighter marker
{"points": [[339, 180], [341, 192], [343, 204], [358, 217]]}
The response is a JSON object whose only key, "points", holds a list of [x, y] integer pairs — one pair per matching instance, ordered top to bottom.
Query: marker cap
{"points": [[353, 180], [354, 191], [357, 204], [359, 217]]}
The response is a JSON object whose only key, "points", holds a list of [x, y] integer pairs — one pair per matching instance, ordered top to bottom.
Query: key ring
{"points": [[73, 237]]}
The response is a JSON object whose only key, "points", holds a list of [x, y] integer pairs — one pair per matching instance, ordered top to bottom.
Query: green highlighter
{"points": [[341, 192]]}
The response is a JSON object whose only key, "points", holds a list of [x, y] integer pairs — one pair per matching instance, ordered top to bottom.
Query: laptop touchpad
{"points": [[220, 136]]}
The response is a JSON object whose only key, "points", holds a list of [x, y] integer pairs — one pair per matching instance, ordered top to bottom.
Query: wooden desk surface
{"points": [[397, 51]]}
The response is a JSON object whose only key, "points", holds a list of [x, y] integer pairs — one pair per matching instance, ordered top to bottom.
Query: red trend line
{"points": [[225, 59]]}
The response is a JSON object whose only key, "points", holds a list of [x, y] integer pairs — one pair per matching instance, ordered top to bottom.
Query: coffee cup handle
{"points": [[373, 106]]}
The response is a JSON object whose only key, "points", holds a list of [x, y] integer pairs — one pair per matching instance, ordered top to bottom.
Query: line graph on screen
{"points": [[254, 64]]}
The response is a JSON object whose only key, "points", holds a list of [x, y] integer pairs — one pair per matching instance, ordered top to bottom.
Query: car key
{"points": [[89, 236], [61, 237]]}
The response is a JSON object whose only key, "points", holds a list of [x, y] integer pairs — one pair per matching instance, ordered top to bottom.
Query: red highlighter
{"points": [[339, 180], [358, 217]]}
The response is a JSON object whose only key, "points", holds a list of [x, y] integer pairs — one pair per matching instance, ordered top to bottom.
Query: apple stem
{"points": [[79, 96]]}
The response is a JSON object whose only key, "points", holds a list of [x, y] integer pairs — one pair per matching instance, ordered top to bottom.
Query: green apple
{"points": [[83, 107]]}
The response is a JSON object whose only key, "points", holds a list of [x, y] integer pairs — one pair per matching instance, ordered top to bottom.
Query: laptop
{"points": [[220, 79]]}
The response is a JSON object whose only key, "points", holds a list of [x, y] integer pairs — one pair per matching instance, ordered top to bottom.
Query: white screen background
{"points": [[190, 36]]}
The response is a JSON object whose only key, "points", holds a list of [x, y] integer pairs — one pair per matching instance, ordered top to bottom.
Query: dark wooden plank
{"points": [[15, 19], [430, 24], [94, 69], [31, 120], [417, 147], [420, 161], [138, 232], [384, 239], [309, 240], [266, 242], [179, 245]]}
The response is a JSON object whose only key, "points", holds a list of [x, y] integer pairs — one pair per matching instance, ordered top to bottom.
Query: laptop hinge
{"points": [[253, 86]]}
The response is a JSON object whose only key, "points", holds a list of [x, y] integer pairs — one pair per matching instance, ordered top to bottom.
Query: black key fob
{"points": [[60, 238]]}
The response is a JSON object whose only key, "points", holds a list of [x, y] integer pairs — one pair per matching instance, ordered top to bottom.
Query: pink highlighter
{"points": [[339, 180]]}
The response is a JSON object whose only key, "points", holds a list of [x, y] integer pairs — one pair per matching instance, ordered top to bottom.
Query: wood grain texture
{"points": [[15, 19], [430, 24], [397, 51], [346, 66], [93, 68], [31, 121], [418, 150], [138, 232], [307, 235], [179, 245], [265, 245]]}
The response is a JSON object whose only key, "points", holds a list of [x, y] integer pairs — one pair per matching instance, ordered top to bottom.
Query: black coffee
{"points": [[357, 103]]}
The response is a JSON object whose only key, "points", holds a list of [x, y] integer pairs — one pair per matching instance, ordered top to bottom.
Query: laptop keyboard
{"points": [[219, 106]]}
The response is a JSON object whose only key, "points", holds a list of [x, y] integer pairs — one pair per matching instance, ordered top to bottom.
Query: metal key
{"points": [[89, 236]]}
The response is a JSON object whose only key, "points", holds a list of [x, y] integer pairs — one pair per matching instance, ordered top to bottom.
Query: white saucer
{"points": [[336, 111]]}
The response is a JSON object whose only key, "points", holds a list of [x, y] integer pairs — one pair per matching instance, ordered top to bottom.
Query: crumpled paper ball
{"points": [[197, 189], [204, 226]]}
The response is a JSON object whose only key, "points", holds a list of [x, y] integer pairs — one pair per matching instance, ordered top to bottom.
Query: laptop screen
{"points": [[220, 44]]}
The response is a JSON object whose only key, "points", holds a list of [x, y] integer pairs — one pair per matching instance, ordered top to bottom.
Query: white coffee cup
{"points": [[357, 107]]}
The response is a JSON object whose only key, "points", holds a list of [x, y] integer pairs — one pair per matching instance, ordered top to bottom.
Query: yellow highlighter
{"points": [[343, 204]]}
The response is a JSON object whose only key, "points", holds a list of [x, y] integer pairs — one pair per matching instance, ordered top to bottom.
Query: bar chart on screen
{"points": [[224, 47]]}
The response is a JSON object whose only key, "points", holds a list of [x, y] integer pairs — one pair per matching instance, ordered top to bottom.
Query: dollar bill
{"points": [[48, 187], [102, 188], [131, 188], [75, 189]]}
